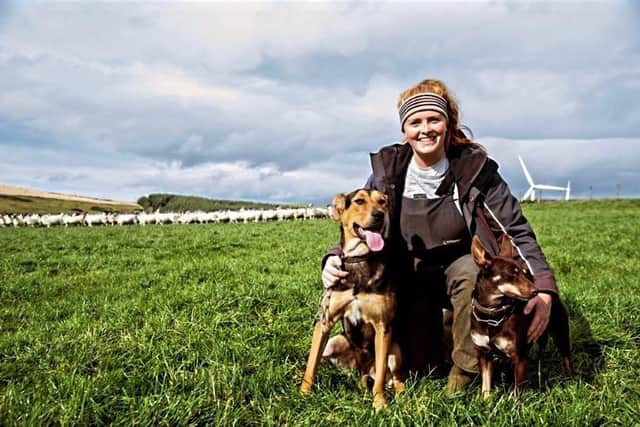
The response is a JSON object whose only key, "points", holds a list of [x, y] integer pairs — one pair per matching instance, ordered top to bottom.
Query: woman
{"points": [[443, 189]]}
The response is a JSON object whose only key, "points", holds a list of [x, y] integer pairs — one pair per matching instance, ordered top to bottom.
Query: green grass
{"points": [[211, 324]]}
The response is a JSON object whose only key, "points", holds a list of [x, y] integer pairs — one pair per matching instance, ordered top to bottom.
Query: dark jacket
{"points": [[488, 207]]}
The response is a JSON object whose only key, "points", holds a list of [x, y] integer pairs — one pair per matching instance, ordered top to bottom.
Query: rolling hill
{"points": [[19, 200], [25, 200]]}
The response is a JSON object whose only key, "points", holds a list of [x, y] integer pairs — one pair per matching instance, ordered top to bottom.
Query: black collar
{"points": [[370, 256]]}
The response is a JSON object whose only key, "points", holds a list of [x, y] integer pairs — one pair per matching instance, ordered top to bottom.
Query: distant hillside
{"points": [[11, 190], [20, 200], [25, 200], [176, 203]]}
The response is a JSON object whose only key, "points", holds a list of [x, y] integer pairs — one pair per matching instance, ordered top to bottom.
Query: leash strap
{"points": [[483, 224], [507, 310], [489, 322]]}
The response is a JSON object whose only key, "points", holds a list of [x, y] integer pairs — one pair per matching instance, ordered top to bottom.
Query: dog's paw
{"points": [[305, 389], [379, 402]]}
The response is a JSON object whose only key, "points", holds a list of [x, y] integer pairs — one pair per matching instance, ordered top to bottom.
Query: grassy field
{"points": [[211, 324]]}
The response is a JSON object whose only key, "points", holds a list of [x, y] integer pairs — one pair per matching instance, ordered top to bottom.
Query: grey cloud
{"points": [[285, 91], [599, 163], [62, 177]]}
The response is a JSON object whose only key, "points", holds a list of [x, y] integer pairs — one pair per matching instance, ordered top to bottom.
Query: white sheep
{"points": [[146, 218], [166, 218], [74, 219], [95, 219], [124, 219], [32, 220], [49, 220]]}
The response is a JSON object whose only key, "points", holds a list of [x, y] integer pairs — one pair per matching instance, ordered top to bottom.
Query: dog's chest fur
{"points": [[365, 275], [372, 299], [502, 338]]}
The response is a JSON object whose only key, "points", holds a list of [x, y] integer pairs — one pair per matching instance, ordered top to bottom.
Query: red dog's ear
{"points": [[337, 206], [506, 247], [480, 255]]}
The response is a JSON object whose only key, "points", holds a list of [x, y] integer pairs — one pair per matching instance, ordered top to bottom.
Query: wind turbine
{"points": [[530, 194]]}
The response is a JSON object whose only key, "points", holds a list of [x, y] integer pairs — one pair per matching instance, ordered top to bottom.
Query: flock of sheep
{"points": [[142, 218]]}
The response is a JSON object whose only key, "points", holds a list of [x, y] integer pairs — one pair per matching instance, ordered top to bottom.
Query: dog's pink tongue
{"points": [[374, 240]]}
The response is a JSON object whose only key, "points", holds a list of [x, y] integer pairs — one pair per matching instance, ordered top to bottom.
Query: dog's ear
{"points": [[337, 206], [506, 247], [479, 253]]}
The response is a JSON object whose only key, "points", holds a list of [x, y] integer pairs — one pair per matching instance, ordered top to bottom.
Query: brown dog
{"points": [[366, 302], [497, 318]]}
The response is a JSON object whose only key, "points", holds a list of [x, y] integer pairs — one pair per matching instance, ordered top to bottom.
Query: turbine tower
{"points": [[530, 194]]}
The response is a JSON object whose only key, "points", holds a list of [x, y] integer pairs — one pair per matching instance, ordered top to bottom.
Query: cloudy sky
{"points": [[283, 102]]}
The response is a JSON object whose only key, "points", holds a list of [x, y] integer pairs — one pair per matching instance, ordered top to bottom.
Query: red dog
{"points": [[497, 320]]}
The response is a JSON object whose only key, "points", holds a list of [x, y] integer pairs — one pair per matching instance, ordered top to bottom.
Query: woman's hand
{"points": [[331, 273], [541, 303]]}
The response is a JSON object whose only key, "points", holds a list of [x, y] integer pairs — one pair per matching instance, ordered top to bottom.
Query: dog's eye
{"points": [[359, 201], [382, 202]]}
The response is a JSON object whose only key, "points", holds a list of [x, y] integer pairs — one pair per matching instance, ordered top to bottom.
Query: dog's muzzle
{"points": [[373, 239]]}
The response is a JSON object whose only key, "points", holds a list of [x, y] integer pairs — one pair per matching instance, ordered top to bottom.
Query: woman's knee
{"points": [[461, 275]]}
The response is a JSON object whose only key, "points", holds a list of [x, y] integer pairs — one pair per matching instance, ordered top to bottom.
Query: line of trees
{"points": [[176, 203]]}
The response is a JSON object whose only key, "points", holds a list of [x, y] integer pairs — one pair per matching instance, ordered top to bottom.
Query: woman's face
{"points": [[425, 132]]}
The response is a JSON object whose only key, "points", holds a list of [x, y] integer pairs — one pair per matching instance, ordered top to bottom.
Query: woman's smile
{"points": [[425, 132]]}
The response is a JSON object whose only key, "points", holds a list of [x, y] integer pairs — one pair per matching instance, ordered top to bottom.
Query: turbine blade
{"points": [[526, 172], [549, 187], [527, 194]]}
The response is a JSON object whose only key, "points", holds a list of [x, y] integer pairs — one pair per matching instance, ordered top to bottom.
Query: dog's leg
{"points": [[337, 303], [318, 343], [382, 344], [394, 361], [567, 364], [486, 372], [520, 372]]}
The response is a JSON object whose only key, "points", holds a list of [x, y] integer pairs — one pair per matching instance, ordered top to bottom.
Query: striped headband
{"points": [[426, 101]]}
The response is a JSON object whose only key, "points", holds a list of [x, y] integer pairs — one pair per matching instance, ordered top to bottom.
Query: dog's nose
{"points": [[378, 215]]}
